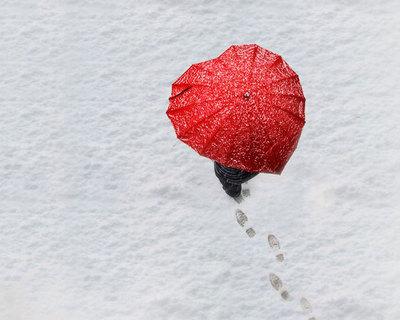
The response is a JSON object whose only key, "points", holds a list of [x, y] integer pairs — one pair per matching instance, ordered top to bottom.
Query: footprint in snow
{"points": [[246, 193], [242, 219], [250, 232], [275, 246], [277, 284], [285, 295], [305, 305]]}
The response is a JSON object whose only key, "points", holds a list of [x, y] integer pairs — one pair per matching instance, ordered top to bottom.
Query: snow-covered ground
{"points": [[105, 215]]}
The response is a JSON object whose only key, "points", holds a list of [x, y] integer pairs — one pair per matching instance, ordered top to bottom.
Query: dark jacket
{"points": [[231, 175]]}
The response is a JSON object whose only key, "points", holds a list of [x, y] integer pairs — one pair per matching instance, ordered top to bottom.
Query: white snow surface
{"points": [[106, 215]]}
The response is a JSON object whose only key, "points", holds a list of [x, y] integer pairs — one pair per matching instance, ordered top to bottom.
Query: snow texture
{"points": [[105, 215]]}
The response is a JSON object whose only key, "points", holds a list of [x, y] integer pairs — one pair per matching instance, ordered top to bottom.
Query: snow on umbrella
{"points": [[243, 109]]}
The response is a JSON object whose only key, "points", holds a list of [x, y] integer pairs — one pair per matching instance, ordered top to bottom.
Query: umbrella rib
{"points": [[235, 51], [237, 57], [278, 59], [266, 60], [223, 63], [252, 63], [275, 63], [272, 65], [196, 66], [200, 66], [226, 67], [210, 72], [286, 78], [223, 80], [190, 85], [208, 85], [217, 85], [265, 85], [180, 93], [301, 98], [194, 104], [292, 114], [259, 117], [202, 120], [279, 124], [281, 127], [238, 133], [209, 140], [274, 141], [290, 142], [232, 145], [250, 146], [271, 147], [230, 150]]}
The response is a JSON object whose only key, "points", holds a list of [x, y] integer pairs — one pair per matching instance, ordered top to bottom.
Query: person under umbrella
{"points": [[244, 110]]}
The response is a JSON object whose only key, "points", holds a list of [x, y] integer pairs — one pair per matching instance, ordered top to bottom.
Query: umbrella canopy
{"points": [[243, 109]]}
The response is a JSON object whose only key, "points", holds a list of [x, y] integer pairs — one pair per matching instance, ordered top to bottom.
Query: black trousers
{"points": [[231, 178]]}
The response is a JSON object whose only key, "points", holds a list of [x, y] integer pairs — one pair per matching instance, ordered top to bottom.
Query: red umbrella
{"points": [[243, 109]]}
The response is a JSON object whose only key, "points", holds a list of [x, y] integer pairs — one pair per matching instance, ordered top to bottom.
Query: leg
{"points": [[232, 189]]}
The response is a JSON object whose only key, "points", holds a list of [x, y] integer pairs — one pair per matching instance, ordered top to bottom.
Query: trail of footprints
{"points": [[275, 281]]}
